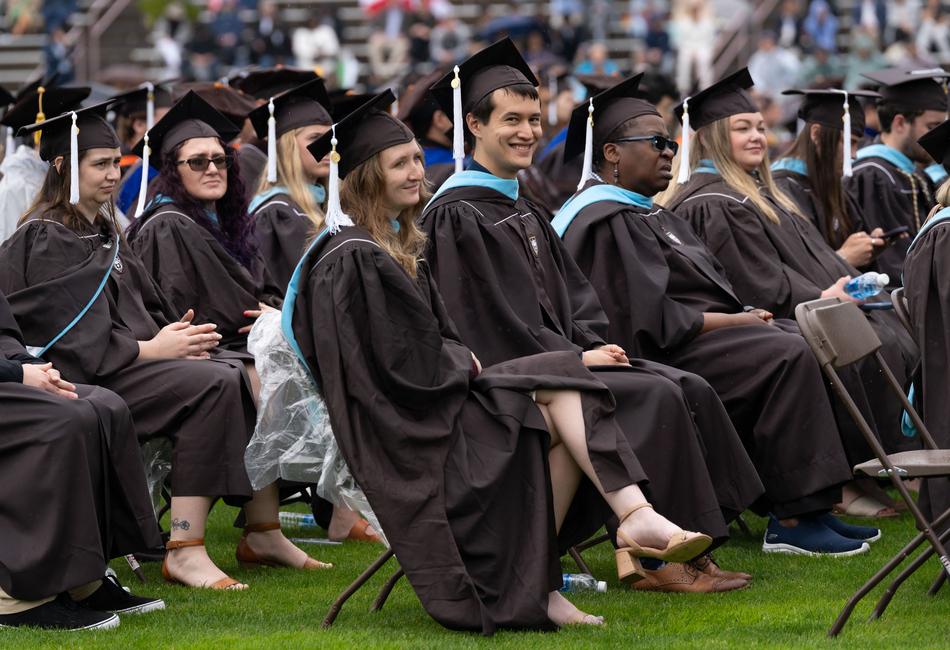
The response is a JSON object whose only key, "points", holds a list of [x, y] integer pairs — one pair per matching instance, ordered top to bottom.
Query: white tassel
{"points": [[552, 100], [150, 106], [458, 134], [846, 143], [10, 144], [271, 144], [684, 148], [74, 162], [587, 171], [143, 183], [335, 217]]}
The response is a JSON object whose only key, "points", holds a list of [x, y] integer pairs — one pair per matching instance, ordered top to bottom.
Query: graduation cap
{"points": [[497, 66], [552, 77], [269, 82], [914, 89], [6, 97], [725, 98], [144, 99], [224, 99], [345, 101], [34, 102], [301, 106], [418, 106], [832, 107], [600, 116], [190, 117], [72, 133], [352, 141], [937, 144]]}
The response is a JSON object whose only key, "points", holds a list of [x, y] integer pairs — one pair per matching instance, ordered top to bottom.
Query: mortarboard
{"points": [[269, 82], [916, 89], [224, 99], [418, 106], [937, 144]]}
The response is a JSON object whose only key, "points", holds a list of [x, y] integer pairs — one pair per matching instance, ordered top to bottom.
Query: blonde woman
{"points": [[286, 207], [773, 257]]}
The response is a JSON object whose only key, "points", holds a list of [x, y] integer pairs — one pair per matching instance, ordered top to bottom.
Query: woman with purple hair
{"points": [[194, 235]]}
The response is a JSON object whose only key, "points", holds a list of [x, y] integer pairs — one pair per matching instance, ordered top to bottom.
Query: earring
{"points": [[616, 173]]}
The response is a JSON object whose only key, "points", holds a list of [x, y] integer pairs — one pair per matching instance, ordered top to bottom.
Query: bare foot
{"points": [[342, 523], [649, 528], [272, 545], [192, 567], [561, 611]]}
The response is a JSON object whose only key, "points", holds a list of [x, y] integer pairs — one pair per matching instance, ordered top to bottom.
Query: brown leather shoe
{"points": [[707, 564], [677, 577]]}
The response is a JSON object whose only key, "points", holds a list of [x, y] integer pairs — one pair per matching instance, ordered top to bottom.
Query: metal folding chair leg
{"points": [[743, 526], [575, 551], [579, 560], [937, 584], [354, 587], [892, 588], [386, 590]]}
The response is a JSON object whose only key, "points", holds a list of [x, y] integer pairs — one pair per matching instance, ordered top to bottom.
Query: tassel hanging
{"points": [[150, 106], [40, 115], [458, 132], [846, 135], [271, 144], [684, 149], [74, 161], [587, 171], [143, 183], [335, 217]]}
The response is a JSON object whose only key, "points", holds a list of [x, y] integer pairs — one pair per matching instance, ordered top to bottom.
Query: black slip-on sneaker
{"points": [[112, 597], [61, 614]]}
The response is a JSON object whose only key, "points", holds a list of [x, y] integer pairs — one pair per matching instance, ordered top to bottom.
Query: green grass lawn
{"points": [[791, 603]]}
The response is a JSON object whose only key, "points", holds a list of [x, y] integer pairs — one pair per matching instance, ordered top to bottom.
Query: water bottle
{"points": [[866, 285], [296, 520], [574, 582]]}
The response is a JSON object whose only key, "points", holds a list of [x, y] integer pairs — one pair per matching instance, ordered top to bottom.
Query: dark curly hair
{"points": [[235, 228]]}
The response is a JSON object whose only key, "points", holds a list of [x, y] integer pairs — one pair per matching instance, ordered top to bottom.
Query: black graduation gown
{"points": [[562, 177], [798, 188], [887, 197], [282, 231], [778, 266], [194, 271], [49, 273], [655, 280], [927, 288], [513, 291], [455, 468], [71, 481]]}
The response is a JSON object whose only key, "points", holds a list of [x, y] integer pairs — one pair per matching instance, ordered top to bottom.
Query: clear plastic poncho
{"points": [[293, 439]]}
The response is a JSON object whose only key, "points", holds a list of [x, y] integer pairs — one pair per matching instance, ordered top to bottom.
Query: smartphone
{"points": [[900, 230]]}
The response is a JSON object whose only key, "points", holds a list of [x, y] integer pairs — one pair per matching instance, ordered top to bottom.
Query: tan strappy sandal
{"points": [[682, 546], [248, 559], [224, 584]]}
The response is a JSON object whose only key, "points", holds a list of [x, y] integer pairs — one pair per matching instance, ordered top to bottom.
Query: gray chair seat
{"points": [[910, 464]]}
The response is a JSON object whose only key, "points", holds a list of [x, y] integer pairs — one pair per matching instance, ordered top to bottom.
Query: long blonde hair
{"points": [[713, 142], [290, 175], [361, 194], [943, 194]]}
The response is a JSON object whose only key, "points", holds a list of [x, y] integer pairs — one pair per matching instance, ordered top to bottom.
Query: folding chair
{"points": [[839, 335], [355, 586]]}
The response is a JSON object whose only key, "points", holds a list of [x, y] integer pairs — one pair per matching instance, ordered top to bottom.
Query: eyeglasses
{"points": [[659, 142], [201, 164]]}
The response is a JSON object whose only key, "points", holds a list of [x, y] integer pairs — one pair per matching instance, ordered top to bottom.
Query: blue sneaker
{"points": [[863, 533], [809, 537]]}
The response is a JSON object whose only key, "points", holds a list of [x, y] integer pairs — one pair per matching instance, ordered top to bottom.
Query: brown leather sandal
{"points": [[359, 534], [682, 546], [248, 559], [224, 584]]}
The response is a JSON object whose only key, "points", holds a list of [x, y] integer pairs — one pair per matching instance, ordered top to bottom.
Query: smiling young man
{"points": [[887, 184], [513, 291], [668, 300]]}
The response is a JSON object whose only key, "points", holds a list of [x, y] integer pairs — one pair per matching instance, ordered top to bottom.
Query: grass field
{"points": [[791, 603]]}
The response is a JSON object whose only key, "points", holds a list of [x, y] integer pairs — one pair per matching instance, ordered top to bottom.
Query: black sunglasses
{"points": [[659, 142], [201, 164]]}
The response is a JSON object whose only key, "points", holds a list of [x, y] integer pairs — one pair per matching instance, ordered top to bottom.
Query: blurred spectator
{"points": [[55, 13], [22, 16], [871, 17], [902, 18], [420, 22], [789, 24], [227, 27], [821, 27], [693, 32], [657, 35], [933, 35], [450, 40], [271, 44], [316, 44], [388, 50], [170, 51], [202, 51], [538, 52], [903, 53], [58, 56], [864, 57], [597, 62], [773, 68], [821, 68]]}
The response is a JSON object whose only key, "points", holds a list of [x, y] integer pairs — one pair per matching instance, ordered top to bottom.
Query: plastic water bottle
{"points": [[866, 285], [296, 520], [574, 582]]}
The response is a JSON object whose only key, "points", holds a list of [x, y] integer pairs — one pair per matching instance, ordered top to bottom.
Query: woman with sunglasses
{"points": [[195, 236], [774, 258], [83, 297], [668, 300]]}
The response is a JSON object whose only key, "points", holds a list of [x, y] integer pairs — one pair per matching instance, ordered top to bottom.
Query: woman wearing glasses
{"points": [[195, 236], [668, 300]]}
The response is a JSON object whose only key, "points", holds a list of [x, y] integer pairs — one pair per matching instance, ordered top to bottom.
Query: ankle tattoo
{"points": [[180, 524]]}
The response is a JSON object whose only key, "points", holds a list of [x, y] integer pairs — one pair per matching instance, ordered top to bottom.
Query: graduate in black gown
{"points": [[431, 126], [812, 173], [887, 184], [286, 208], [195, 236], [773, 257], [926, 287], [513, 291], [80, 293], [668, 300], [453, 458], [87, 502]]}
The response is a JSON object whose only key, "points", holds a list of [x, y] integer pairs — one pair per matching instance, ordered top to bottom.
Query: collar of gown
{"points": [[890, 154], [595, 194]]}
